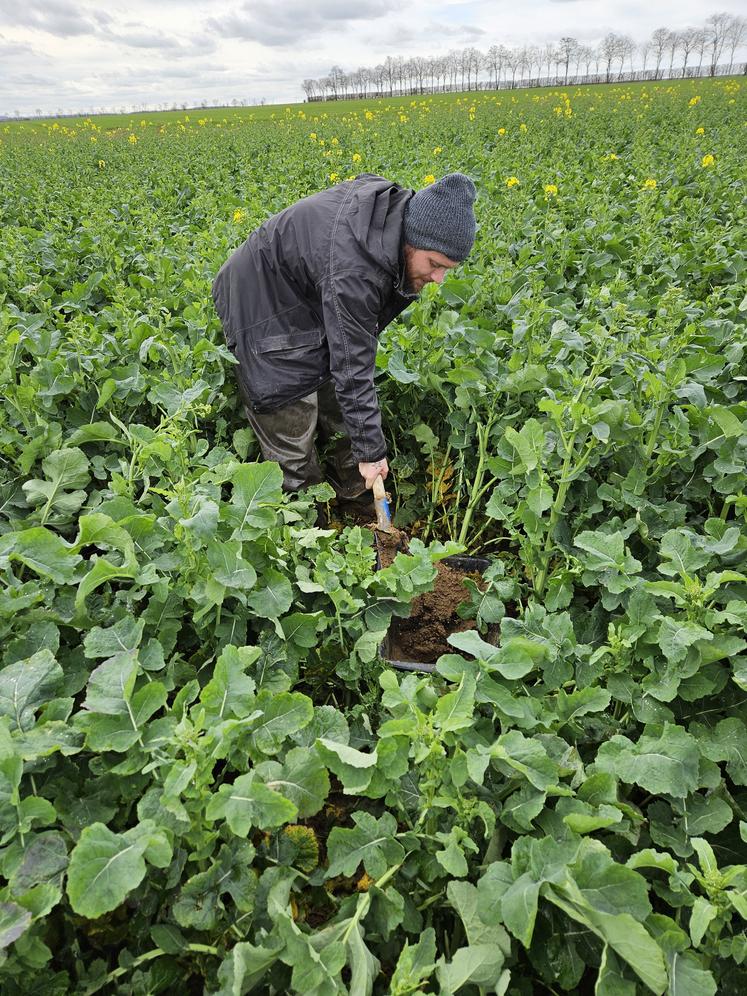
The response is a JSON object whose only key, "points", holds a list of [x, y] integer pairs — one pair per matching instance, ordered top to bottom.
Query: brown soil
{"points": [[388, 544], [422, 636]]}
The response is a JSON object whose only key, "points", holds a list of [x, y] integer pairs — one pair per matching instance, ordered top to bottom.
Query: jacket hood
{"points": [[376, 217]]}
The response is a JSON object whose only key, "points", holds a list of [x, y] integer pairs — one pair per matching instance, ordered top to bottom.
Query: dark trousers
{"points": [[288, 434]]}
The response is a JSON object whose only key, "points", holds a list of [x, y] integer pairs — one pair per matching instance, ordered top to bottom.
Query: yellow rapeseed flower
{"points": [[693, 101], [369, 115], [403, 119], [522, 127], [501, 131], [700, 131], [312, 136], [132, 139], [334, 141], [437, 151], [356, 157], [610, 157], [708, 160], [102, 163], [334, 177], [429, 179], [512, 181], [649, 184], [551, 190], [238, 215]]}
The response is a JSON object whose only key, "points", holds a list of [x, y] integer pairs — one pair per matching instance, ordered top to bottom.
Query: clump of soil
{"points": [[388, 544], [422, 636]]}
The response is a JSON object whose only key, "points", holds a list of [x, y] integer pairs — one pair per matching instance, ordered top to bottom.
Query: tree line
{"points": [[719, 37]]}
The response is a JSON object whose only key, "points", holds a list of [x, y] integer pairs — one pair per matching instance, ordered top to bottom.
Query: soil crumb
{"points": [[389, 544], [422, 636]]}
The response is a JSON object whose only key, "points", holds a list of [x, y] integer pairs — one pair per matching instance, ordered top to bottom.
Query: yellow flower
{"points": [[693, 101], [369, 115], [403, 119], [522, 127], [501, 131], [700, 131], [312, 136], [93, 138], [132, 139], [334, 141], [437, 151], [356, 157], [610, 157], [708, 160], [102, 163], [334, 177], [429, 179], [512, 181], [649, 184], [551, 190], [238, 215]]}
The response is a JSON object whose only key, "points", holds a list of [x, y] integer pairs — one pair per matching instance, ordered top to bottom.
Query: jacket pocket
{"points": [[288, 341]]}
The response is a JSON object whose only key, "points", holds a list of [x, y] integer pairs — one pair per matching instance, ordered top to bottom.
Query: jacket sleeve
{"points": [[350, 303]]}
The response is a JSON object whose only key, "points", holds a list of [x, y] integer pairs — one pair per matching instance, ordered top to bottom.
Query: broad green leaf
{"points": [[529, 444], [257, 491], [43, 552], [683, 558], [228, 567], [274, 598], [124, 635], [676, 636], [111, 684], [27, 685], [230, 692], [569, 706], [454, 711], [281, 715], [662, 764], [353, 767], [301, 777], [249, 803], [371, 843], [104, 867], [518, 908], [701, 915], [14, 921], [477, 960], [416, 964], [688, 976], [611, 980]]}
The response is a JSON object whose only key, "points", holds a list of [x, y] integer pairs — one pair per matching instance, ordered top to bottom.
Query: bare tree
{"points": [[717, 26], [735, 36], [659, 42], [688, 43], [701, 43], [672, 44], [609, 48], [645, 49], [566, 50], [548, 56], [512, 60], [494, 61], [309, 86]]}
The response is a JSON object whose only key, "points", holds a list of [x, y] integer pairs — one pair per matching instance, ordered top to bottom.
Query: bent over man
{"points": [[303, 300]]}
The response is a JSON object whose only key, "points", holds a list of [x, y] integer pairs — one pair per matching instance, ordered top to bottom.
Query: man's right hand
{"points": [[370, 471]]}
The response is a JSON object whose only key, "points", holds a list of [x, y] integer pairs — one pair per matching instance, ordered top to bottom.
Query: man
{"points": [[303, 300]]}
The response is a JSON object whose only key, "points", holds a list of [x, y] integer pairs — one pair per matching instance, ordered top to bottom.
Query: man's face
{"points": [[425, 266]]}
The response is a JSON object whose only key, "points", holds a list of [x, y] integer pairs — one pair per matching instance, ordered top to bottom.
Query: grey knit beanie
{"points": [[440, 217]]}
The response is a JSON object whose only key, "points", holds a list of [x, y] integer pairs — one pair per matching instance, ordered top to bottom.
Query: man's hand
{"points": [[370, 471]]}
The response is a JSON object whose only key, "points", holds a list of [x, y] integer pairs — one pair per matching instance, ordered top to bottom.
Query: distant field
{"points": [[210, 781]]}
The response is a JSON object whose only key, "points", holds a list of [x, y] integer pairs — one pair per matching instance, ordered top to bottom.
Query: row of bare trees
{"points": [[699, 52]]}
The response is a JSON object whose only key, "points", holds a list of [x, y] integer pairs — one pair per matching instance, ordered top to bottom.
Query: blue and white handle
{"points": [[381, 504]]}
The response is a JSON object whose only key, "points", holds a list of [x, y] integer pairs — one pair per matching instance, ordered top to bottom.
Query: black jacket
{"points": [[303, 299]]}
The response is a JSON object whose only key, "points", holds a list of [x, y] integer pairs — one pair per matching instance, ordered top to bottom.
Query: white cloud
{"points": [[73, 54]]}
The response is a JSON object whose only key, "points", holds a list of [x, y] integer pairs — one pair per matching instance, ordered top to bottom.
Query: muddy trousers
{"points": [[288, 435]]}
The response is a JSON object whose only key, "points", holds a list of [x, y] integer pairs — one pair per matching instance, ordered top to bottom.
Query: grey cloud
{"points": [[55, 17], [276, 23]]}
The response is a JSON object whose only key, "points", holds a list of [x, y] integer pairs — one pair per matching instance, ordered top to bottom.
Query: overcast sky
{"points": [[71, 55]]}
